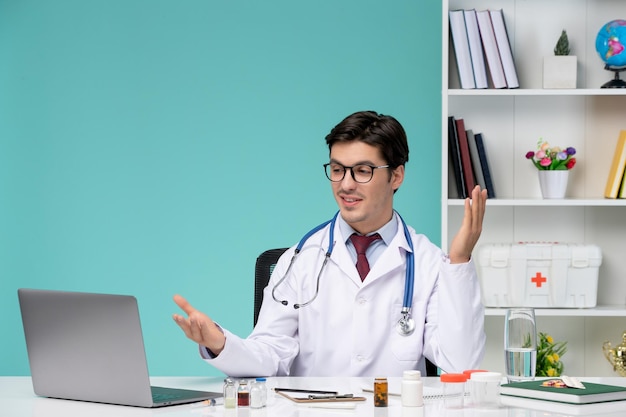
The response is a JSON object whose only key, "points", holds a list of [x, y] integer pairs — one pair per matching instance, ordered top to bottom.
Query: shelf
{"points": [[506, 92], [588, 118], [566, 202], [600, 311]]}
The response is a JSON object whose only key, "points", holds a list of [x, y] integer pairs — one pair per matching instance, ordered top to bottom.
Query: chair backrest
{"points": [[265, 264]]}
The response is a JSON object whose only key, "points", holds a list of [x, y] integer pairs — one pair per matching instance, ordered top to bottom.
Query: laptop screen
{"points": [[86, 346]]}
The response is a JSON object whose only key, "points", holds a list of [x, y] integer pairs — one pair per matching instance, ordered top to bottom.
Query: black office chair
{"points": [[265, 264]]}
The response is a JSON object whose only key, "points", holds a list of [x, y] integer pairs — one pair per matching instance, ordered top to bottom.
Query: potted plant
{"points": [[559, 70], [553, 164], [549, 354]]}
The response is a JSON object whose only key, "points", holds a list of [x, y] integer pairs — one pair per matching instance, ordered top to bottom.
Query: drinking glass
{"points": [[520, 344]]}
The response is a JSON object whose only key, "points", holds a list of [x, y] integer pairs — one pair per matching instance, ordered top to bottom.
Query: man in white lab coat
{"points": [[349, 325]]}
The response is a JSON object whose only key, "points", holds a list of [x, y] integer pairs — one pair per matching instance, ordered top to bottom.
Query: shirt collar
{"points": [[387, 232]]}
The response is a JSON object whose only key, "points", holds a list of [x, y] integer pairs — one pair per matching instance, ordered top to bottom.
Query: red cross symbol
{"points": [[538, 279]]}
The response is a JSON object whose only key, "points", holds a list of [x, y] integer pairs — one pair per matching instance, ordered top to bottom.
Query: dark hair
{"points": [[378, 130]]}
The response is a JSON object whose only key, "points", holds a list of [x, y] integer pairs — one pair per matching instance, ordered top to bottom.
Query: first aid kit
{"points": [[548, 275]]}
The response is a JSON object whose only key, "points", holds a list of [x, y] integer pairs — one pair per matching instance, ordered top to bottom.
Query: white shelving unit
{"points": [[588, 118], [598, 311]]}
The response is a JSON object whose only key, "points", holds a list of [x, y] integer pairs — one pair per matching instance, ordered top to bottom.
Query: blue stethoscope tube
{"points": [[406, 325]]}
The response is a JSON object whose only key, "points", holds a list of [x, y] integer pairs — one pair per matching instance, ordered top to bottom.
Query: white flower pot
{"points": [[559, 71], [553, 183]]}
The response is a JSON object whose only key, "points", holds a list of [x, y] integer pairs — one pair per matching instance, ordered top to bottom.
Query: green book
{"points": [[593, 393]]}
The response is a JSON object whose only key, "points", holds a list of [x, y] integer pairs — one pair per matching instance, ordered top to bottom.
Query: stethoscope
{"points": [[405, 325]]}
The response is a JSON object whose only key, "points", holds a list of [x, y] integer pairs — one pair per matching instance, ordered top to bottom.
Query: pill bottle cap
{"points": [[412, 375], [486, 376], [453, 378], [261, 379]]}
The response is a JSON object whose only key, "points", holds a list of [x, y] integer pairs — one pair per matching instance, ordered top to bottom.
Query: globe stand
{"points": [[615, 82]]}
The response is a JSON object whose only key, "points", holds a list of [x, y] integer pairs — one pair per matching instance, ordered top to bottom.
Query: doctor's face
{"points": [[364, 206]]}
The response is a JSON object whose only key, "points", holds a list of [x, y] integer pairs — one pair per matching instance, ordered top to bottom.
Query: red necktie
{"points": [[361, 243]]}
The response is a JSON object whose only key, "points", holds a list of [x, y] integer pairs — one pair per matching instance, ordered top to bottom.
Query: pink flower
{"points": [[545, 162]]}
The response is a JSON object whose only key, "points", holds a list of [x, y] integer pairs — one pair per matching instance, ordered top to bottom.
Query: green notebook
{"points": [[593, 393]]}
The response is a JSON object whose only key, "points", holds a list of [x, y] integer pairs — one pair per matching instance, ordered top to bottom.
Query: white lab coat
{"points": [[349, 329]]}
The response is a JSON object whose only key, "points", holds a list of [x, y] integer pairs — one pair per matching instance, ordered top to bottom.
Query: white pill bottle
{"points": [[412, 392]]}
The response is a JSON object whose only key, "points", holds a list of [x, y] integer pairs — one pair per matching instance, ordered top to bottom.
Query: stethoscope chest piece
{"points": [[406, 325]]}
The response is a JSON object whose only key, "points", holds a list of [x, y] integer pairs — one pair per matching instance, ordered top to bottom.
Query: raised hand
{"points": [[463, 243], [199, 327]]}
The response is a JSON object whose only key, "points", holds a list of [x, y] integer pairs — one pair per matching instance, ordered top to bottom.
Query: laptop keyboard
{"points": [[161, 394], [163, 397]]}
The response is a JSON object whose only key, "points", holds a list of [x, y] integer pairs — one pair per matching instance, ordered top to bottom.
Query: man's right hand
{"points": [[199, 327]]}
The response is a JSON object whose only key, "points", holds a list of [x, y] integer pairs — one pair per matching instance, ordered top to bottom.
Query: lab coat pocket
{"points": [[407, 347]]}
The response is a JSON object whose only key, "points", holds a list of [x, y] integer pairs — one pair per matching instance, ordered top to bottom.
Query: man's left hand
{"points": [[463, 243]]}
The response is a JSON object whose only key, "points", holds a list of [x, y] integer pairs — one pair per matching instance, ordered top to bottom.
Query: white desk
{"points": [[18, 400]]}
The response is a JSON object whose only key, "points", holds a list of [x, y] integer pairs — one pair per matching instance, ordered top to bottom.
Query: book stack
{"points": [[481, 48], [468, 160], [616, 183]]}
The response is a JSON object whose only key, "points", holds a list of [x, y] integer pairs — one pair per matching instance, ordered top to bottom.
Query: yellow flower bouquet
{"points": [[549, 355]]}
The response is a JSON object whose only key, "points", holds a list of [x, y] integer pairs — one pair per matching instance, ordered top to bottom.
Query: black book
{"points": [[482, 154], [455, 157], [466, 159], [476, 165]]}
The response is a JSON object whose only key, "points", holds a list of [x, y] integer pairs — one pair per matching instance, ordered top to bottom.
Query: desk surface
{"points": [[18, 400]]}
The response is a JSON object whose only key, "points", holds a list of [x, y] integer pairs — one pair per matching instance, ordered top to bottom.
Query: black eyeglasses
{"points": [[360, 173]]}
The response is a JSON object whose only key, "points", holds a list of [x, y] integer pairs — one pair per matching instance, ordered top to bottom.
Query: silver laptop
{"points": [[89, 347]]}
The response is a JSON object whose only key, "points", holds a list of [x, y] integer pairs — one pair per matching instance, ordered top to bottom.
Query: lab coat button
{"points": [[362, 301], [359, 358]]}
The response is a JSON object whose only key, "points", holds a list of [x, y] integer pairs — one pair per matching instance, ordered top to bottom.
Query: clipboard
{"points": [[303, 396]]}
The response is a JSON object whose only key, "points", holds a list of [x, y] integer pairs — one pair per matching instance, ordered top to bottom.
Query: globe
{"points": [[610, 45]]}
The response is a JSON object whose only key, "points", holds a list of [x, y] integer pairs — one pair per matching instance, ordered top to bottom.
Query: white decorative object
{"points": [[559, 71], [553, 183]]}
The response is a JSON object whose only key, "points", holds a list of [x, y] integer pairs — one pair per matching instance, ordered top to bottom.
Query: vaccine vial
{"points": [[263, 386], [453, 389], [485, 389], [381, 390], [412, 390], [230, 393], [243, 394], [256, 396]]}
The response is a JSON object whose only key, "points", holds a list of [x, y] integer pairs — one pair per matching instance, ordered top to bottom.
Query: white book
{"points": [[504, 47], [461, 49], [476, 49], [491, 49]]}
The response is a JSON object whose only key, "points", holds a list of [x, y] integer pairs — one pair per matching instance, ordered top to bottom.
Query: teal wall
{"points": [[154, 147]]}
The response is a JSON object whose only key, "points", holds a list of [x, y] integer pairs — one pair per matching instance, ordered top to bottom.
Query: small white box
{"points": [[560, 71], [539, 275]]}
